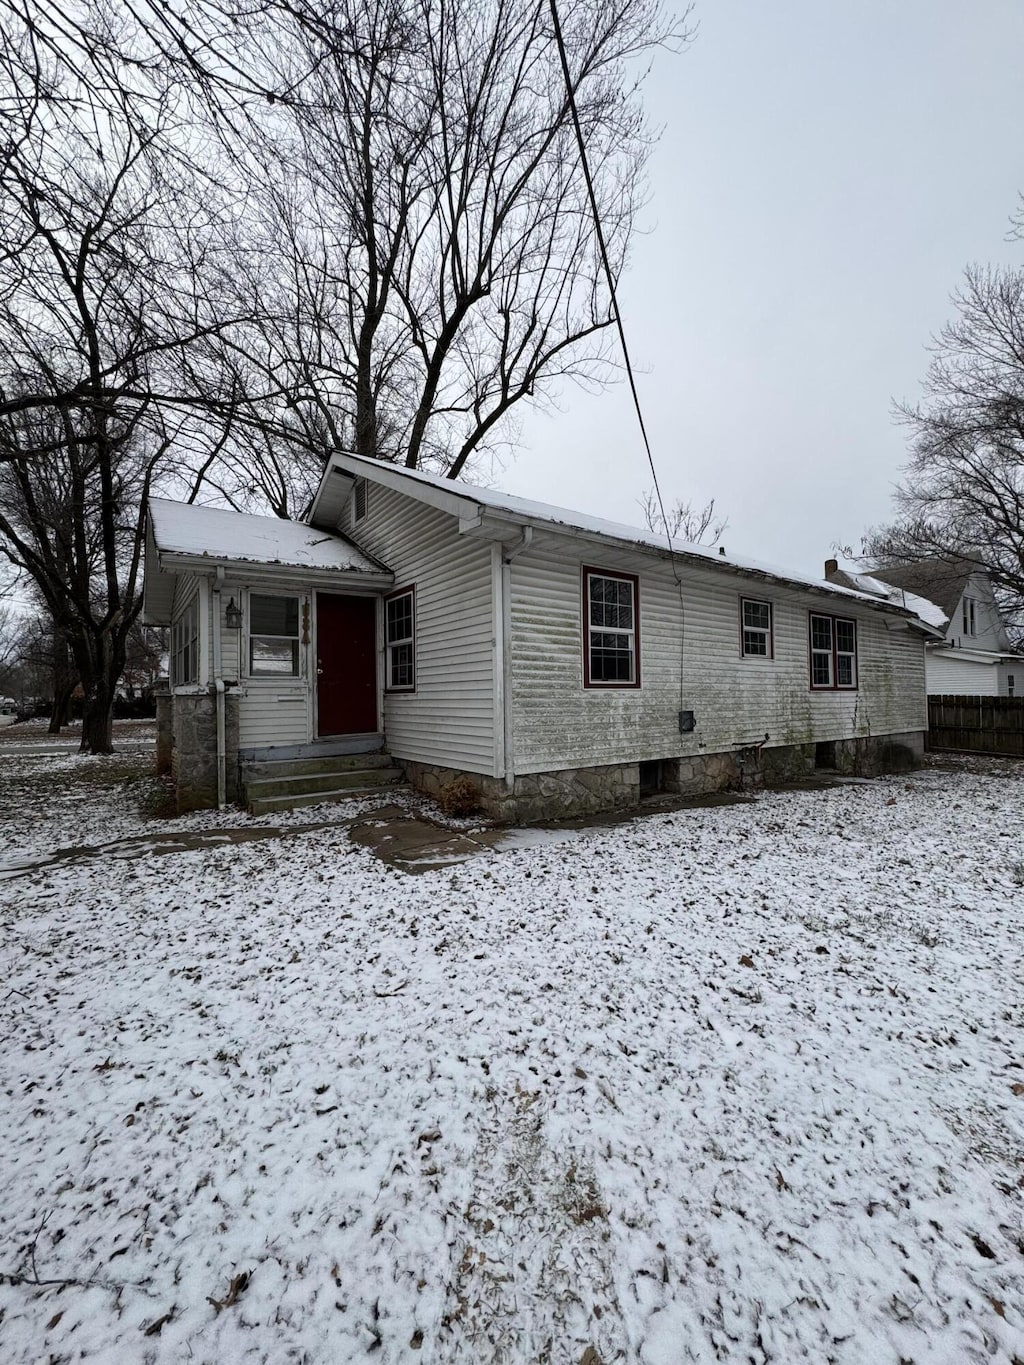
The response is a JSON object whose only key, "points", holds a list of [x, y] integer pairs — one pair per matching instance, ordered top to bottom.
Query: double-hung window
{"points": [[969, 616], [756, 629], [611, 630], [273, 636], [400, 640], [185, 645], [833, 652]]}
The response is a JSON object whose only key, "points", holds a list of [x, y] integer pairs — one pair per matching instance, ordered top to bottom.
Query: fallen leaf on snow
{"points": [[239, 1284]]}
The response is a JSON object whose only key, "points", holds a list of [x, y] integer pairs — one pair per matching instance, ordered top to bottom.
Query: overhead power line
{"points": [[606, 263]]}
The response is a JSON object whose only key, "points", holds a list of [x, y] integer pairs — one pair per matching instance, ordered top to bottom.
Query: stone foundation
{"points": [[194, 751], [744, 768], [571, 792], [539, 796]]}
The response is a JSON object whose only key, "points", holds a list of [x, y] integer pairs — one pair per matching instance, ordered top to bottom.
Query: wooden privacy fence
{"points": [[979, 725]]}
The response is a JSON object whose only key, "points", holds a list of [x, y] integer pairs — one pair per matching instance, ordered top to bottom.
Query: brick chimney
{"points": [[831, 567]]}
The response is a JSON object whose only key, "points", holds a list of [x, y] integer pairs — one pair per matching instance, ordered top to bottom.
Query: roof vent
{"points": [[721, 550]]}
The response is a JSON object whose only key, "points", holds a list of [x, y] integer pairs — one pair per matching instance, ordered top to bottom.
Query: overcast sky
{"points": [[825, 172]]}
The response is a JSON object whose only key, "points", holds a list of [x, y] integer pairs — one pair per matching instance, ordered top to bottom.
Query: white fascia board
{"points": [[394, 477], [329, 499], [492, 525], [245, 570], [936, 638], [972, 656]]}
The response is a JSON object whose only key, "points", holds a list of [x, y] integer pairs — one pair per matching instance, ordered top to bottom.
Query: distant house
{"points": [[970, 653], [561, 664]]}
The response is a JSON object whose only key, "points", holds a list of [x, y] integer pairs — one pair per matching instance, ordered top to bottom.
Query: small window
{"points": [[359, 500], [969, 618], [756, 629], [273, 636], [611, 636], [400, 639], [833, 641], [184, 649], [1009, 684]]}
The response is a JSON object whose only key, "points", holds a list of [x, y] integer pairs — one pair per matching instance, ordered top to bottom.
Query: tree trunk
{"points": [[100, 663], [60, 712], [98, 719]]}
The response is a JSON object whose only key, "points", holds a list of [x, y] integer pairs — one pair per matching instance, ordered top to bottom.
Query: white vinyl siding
{"points": [[188, 605], [977, 607], [948, 674], [270, 710], [449, 720], [560, 724]]}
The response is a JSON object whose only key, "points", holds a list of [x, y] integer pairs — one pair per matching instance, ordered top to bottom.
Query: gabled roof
{"points": [[472, 503], [183, 538], [941, 581], [927, 611]]}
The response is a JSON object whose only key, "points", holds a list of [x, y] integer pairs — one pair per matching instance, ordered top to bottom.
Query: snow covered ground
{"points": [[735, 1084]]}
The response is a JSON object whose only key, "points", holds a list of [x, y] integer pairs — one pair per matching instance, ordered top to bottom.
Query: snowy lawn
{"points": [[735, 1084]]}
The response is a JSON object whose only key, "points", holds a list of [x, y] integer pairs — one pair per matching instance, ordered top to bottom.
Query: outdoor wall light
{"points": [[233, 616]]}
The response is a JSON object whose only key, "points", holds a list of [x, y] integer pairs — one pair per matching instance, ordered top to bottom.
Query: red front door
{"points": [[346, 665]]}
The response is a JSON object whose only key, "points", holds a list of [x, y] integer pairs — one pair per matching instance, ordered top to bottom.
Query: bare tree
{"points": [[439, 261], [118, 365], [962, 493], [692, 526], [41, 662]]}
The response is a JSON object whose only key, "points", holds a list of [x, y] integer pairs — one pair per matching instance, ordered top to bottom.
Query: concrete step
{"points": [[299, 767], [307, 784], [266, 805]]}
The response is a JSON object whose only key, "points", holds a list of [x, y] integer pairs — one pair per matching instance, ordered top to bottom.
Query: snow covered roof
{"points": [[460, 498], [220, 534], [182, 537], [941, 581], [929, 612]]}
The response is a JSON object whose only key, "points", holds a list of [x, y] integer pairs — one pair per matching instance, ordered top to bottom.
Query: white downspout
{"points": [[509, 552], [218, 684]]}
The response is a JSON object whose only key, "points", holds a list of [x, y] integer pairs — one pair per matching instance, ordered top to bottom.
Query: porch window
{"points": [[756, 629], [611, 633], [273, 636], [400, 638], [185, 646], [833, 652]]}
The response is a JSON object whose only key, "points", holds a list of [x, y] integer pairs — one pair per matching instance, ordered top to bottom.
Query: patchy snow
{"points": [[928, 612], [741, 1084]]}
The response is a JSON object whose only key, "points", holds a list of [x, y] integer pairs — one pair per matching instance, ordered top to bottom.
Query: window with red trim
{"points": [[833, 646]]}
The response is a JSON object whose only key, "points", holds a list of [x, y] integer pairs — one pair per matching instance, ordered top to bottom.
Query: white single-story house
{"points": [[969, 654], [558, 663]]}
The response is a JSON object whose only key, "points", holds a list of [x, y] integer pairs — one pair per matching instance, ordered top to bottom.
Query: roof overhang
{"points": [[500, 524], [166, 566], [976, 656]]}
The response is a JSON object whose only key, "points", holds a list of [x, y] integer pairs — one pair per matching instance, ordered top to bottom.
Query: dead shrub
{"points": [[460, 796]]}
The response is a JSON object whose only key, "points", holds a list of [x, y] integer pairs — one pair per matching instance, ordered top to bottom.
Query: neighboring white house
{"points": [[970, 653], [563, 664]]}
